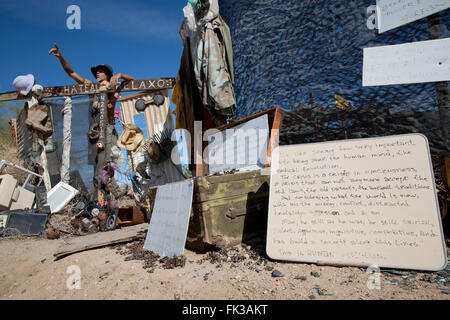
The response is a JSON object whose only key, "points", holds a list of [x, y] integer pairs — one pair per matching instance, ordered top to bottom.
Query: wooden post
{"points": [[434, 27], [312, 100], [13, 124], [101, 144], [198, 148]]}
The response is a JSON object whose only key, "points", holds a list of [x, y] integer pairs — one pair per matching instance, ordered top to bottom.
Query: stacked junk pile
{"points": [[230, 198], [60, 204]]}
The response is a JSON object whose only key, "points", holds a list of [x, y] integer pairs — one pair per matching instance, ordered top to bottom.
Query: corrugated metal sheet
{"points": [[158, 119], [23, 136]]}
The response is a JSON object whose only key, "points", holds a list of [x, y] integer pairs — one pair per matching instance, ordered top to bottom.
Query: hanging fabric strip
{"points": [[67, 140], [44, 164]]}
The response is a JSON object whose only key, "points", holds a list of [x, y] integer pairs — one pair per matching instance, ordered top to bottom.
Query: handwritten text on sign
{"points": [[394, 13], [425, 61], [356, 202]]}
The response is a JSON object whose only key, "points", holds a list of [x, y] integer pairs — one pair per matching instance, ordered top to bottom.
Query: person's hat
{"points": [[108, 69], [24, 84], [131, 137]]}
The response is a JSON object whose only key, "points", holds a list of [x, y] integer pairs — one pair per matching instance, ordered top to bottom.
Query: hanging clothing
{"points": [[190, 32], [225, 33], [208, 37], [212, 68], [217, 89], [38, 118], [38, 121]]}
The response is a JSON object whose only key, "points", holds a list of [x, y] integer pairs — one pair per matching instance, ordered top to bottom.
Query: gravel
{"points": [[277, 274]]}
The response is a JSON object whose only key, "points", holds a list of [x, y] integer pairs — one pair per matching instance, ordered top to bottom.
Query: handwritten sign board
{"points": [[393, 13], [425, 61], [243, 147], [357, 202], [168, 227]]}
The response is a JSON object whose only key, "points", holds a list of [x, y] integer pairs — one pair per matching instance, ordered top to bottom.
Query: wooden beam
{"points": [[91, 88], [443, 93], [274, 136], [101, 239]]}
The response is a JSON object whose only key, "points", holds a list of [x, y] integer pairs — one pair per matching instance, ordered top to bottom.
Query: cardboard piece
{"points": [[393, 13], [424, 61], [24, 201], [360, 202], [170, 219]]}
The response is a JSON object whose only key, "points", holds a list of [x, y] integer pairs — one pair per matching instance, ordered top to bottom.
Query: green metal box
{"points": [[228, 209]]}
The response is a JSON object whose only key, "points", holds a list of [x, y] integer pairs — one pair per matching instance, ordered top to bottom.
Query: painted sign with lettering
{"points": [[394, 13], [425, 61], [91, 88], [361, 202]]}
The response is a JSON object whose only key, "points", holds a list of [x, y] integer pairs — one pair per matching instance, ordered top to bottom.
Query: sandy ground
{"points": [[28, 271]]}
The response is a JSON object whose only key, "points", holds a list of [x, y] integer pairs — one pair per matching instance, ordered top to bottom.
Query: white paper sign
{"points": [[394, 13], [425, 61], [242, 147], [360, 202], [169, 223]]}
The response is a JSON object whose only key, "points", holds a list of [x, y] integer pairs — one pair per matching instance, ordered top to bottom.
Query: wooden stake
{"points": [[434, 27], [101, 144]]}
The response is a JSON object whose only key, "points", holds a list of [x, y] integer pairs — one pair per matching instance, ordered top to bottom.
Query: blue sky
{"points": [[137, 37]]}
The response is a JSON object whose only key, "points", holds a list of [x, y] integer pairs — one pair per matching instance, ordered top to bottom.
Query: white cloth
{"points": [[67, 140]]}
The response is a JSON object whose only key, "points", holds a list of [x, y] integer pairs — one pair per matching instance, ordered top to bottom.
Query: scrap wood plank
{"points": [[91, 88], [101, 239]]}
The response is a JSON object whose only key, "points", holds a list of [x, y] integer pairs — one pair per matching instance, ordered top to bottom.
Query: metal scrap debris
{"points": [[151, 260]]}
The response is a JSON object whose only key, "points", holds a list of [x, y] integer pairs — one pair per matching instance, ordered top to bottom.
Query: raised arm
{"points": [[67, 68], [115, 78]]}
